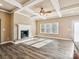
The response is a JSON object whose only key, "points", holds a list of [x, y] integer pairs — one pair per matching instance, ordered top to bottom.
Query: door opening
{"points": [[76, 32]]}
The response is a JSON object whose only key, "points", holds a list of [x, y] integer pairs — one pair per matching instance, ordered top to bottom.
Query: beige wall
{"points": [[21, 19], [5, 26], [65, 27]]}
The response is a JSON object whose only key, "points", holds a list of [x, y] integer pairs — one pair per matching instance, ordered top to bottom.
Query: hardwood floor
{"points": [[57, 49], [76, 55]]}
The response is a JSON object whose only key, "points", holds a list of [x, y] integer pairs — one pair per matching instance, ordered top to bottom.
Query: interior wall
{"points": [[21, 19], [5, 26], [65, 27], [0, 30]]}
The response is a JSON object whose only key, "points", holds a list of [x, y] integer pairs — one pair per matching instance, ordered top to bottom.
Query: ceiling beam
{"points": [[14, 3], [31, 3], [34, 3], [55, 4], [26, 7], [16, 9]]}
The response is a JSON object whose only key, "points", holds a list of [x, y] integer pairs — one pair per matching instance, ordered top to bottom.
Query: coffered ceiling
{"points": [[22, 1], [68, 3], [46, 4], [6, 6], [9, 7], [33, 7], [67, 7]]}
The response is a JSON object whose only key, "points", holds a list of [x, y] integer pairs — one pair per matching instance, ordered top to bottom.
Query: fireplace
{"points": [[24, 33]]}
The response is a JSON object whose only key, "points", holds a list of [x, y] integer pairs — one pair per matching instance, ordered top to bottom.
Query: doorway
{"points": [[76, 32], [76, 35], [76, 39]]}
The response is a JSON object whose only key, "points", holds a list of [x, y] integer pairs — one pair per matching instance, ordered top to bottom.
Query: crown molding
{"points": [[5, 11]]}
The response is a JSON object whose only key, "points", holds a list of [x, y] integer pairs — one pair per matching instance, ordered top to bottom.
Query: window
{"points": [[42, 28], [49, 28], [55, 28]]}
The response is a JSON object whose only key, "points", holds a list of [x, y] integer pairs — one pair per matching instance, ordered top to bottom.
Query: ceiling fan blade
{"points": [[14, 2], [48, 11]]}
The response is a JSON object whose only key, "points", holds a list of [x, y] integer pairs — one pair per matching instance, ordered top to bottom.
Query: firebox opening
{"points": [[24, 33]]}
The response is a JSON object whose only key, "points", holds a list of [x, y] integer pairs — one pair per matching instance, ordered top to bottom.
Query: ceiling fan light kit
{"points": [[44, 13]]}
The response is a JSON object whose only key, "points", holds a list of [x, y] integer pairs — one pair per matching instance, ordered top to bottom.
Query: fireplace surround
{"points": [[24, 31]]}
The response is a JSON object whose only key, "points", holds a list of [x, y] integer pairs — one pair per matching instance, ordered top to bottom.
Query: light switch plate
{"points": [[3, 29]]}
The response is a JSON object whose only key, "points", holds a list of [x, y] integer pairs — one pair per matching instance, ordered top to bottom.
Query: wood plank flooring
{"points": [[55, 50]]}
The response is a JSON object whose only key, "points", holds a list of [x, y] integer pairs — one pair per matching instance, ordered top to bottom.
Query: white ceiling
{"points": [[22, 1], [68, 3], [46, 4], [64, 4], [6, 6], [9, 7], [32, 7], [67, 8]]}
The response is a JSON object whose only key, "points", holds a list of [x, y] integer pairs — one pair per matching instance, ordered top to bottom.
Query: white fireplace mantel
{"points": [[23, 27]]}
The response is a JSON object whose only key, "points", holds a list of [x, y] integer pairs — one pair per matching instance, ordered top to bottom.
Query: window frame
{"points": [[50, 28]]}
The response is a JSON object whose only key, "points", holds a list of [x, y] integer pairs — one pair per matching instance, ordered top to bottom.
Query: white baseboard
{"points": [[33, 37], [60, 38], [6, 42]]}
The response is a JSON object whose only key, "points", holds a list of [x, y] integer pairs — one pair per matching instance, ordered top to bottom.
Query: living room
{"points": [[39, 29]]}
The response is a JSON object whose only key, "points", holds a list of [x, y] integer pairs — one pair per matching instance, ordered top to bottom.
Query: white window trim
{"points": [[50, 32]]}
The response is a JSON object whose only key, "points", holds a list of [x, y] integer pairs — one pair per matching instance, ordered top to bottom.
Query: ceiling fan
{"points": [[43, 12]]}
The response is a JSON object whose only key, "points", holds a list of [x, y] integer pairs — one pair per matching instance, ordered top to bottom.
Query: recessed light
{"points": [[0, 4]]}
